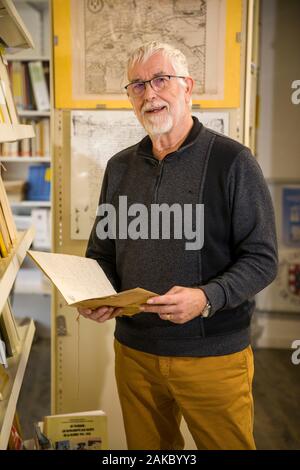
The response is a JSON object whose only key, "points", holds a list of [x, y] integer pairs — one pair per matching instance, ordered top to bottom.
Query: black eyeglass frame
{"points": [[149, 81]]}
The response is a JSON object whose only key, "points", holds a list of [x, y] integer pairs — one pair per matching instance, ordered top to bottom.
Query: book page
{"points": [[76, 277], [83, 283]]}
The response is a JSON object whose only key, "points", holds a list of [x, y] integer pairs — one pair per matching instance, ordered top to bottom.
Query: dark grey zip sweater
{"points": [[239, 256]]}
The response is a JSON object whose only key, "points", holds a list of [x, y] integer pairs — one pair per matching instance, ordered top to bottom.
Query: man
{"points": [[188, 352]]}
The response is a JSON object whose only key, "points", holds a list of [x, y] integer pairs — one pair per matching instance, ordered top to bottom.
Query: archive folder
{"points": [[83, 283]]}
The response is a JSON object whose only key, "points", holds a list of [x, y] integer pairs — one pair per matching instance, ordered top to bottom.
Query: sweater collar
{"points": [[145, 145]]}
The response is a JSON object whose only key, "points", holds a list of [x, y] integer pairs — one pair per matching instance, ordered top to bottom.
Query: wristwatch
{"points": [[207, 307], [206, 311]]}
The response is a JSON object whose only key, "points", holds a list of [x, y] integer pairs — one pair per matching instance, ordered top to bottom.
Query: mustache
{"points": [[152, 106]]}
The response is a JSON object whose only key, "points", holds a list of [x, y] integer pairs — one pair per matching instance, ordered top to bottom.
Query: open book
{"points": [[83, 283]]}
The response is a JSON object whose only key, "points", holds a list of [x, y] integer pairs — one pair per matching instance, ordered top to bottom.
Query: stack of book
{"points": [[8, 231], [73, 431]]}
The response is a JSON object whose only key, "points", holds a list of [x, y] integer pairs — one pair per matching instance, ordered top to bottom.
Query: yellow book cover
{"points": [[4, 115], [4, 231], [3, 250], [4, 379], [77, 431]]}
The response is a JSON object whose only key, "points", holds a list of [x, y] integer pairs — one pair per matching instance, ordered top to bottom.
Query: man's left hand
{"points": [[179, 304]]}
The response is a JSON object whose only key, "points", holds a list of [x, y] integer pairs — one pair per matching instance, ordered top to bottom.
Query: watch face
{"points": [[206, 310], [205, 313]]}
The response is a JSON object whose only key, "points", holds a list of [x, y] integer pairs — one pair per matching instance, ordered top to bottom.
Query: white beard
{"points": [[156, 125]]}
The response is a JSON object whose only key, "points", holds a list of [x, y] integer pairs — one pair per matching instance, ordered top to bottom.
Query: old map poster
{"points": [[106, 30], [92, 40], [95, 137]]}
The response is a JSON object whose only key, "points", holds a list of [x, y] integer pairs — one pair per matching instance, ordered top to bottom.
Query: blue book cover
{"points": [[38, 183]]}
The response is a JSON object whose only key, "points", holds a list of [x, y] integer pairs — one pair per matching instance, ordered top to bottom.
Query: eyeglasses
{"points": [[157, 84]]}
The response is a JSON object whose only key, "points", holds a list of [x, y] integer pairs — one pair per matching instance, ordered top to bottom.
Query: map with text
{"points": [[111, 26], [103, 33]]}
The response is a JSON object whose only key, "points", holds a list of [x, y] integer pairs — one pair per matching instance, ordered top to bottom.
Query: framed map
{"points": [[92, 39]]}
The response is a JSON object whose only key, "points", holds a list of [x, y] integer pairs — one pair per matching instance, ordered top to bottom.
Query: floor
{"points": [[276, 396], [34, 398], [277, 400]]}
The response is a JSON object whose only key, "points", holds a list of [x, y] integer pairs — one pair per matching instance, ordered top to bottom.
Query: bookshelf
{"points": [[14, 34], [26, 58], [34, 113], [13, 132], [25, 159], [19, 161], [31, 204], [9, 266], [16, 366]]}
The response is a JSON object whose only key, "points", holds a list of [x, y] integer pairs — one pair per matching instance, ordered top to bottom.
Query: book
{"points": [[17, 84], [39, 85], [7, 92], [4, 114], [38, 185], [40, 219], [4, 231], [3, 248], [83, 283], [9, 330], [9, 351], [3, 358], [4, 379], [77, 431], [15, 441], [41, 441]]}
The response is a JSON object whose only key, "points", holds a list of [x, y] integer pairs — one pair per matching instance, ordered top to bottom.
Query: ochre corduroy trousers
{"points": [[213, 394]]}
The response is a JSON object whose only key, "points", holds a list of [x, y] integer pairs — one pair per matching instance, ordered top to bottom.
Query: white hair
{"points": [[144, 52]]}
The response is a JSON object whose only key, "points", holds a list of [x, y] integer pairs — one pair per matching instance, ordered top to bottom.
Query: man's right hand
{"points": [[100, 314]]}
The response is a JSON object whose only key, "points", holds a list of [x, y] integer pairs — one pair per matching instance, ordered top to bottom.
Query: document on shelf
{"points": [[83, 283]]}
